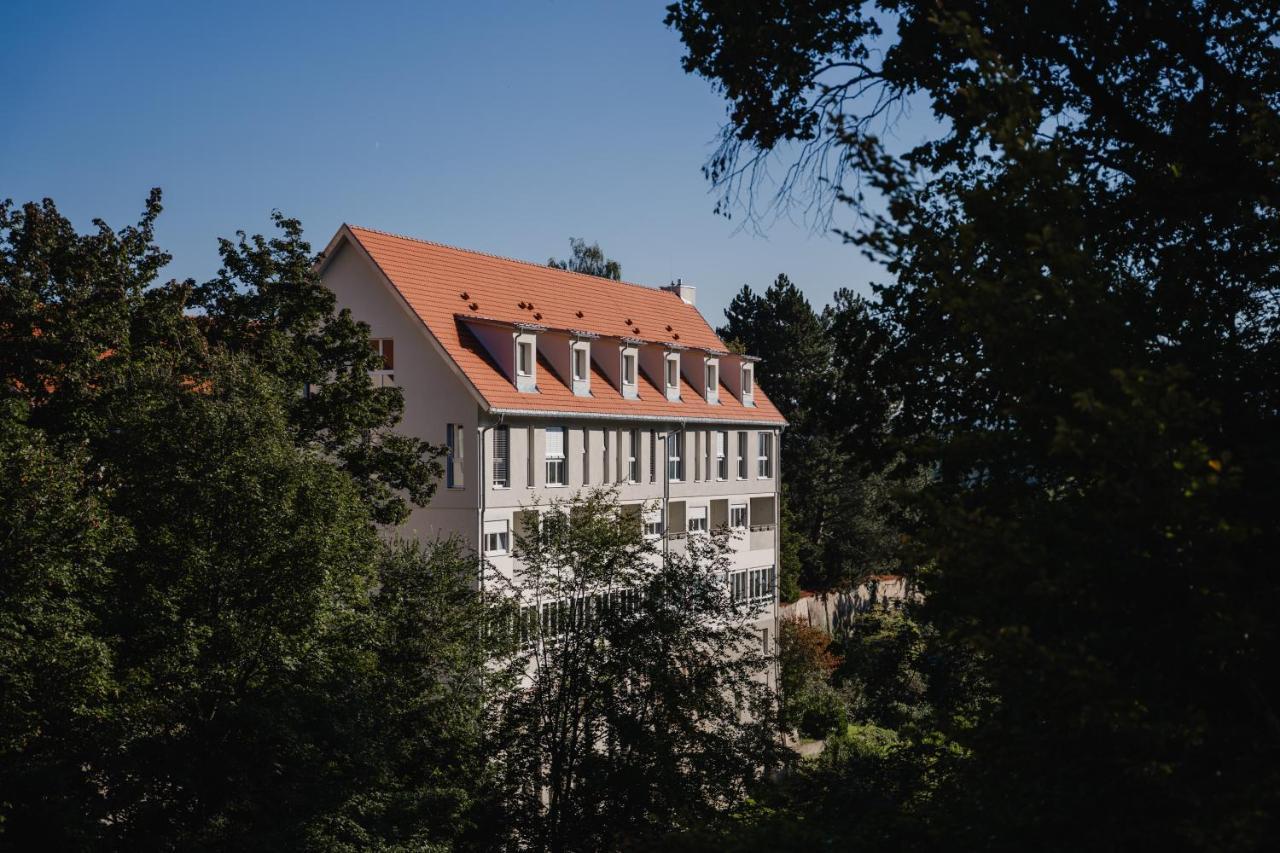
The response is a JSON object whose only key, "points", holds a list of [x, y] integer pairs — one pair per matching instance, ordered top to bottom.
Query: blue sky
{"points": [[504, 127]]}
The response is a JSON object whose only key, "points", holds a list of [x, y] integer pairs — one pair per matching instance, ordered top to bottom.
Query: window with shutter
{"points": [[555, 456], [502, 457]]}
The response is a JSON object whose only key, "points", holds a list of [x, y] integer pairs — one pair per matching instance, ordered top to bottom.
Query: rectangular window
{"points": [[385, 347], [524, 358], [579, 363], [629, 368], [673, 372], [713, 380], [748, 380], [455, 442], [653, 455], [722, 455], [555, 456], [586, 456], [633, 456], [675, 456], [742, 456], [502, 457], [604, 457], [529, 458], [765, 462], [738, 516], [697, 520], [653, 524], [497, 537], [752, 584], [764, 640]]}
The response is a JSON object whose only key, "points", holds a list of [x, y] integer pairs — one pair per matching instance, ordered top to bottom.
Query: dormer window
{"points": [[524, 358], [526, 361], [580, 367], [630, 372], [673, 376], [713, 381], [748, 385]]}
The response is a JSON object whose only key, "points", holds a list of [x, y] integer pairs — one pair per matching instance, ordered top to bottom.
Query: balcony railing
{"points": [[760, 537]]}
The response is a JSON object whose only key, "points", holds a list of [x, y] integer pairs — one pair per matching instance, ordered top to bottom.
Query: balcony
{"points": [[760, 537]]}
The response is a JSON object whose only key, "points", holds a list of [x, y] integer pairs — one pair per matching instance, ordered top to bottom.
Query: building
{"points": [[542, 382]]}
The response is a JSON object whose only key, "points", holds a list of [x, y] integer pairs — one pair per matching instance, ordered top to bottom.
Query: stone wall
{"points": [[832, 611]]}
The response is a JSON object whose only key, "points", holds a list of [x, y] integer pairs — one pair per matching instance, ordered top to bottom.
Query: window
{"points": [[385, 347], [524, 358], [580, 364], [629, 368], [673, 374], [713, 380], [748, 380], [454, 439], [653, 455], [722, 455], [586, 456], [633, 456], [675, 456], [742, 456], [502, 457], [555, 457], [604, 457], [529, 458], [765, 462], [738, 516], [697, 520], [653, 524], [497, 537], [753, 585], [764, 640]]}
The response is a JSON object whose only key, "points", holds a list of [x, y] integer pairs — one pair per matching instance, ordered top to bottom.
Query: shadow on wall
{"points": [[833, 611]]}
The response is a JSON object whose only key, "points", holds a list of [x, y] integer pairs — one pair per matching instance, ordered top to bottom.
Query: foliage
{"points": [[589, 260], [1082, 308], [843, 490], [205, 643], [805, 665], [644, 708]]}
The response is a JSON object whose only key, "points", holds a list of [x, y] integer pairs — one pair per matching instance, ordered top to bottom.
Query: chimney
{"points": [[686, 292]]}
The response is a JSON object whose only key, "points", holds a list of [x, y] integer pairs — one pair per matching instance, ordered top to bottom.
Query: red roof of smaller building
{"points": [[446, 287]]}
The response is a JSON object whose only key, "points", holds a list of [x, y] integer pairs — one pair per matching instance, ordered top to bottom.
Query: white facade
{"points": [[725, 473]]}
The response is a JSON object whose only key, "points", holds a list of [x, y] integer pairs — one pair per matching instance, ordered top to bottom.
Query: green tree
{"points": [[589, 260], [1084, 267], [843, 509], [205, 642], [644, 708]]}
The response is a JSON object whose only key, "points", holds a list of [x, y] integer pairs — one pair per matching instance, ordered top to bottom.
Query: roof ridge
{"points": [[534, 264]]}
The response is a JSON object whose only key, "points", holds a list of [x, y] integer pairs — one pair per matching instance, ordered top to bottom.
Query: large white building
{"points": [[544, 382]]}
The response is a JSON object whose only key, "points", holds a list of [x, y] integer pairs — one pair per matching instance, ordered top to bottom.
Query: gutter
{"points": [[661, 419]]}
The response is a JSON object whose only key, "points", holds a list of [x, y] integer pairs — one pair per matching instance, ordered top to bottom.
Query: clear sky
{"points": [[503, 127]]}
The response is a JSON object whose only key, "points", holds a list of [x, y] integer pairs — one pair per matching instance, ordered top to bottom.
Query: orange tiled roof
{"points": [[443, 285]]}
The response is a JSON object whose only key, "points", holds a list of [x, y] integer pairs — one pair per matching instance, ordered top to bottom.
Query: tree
{"points": [[589, 260], [1084, 267], [842, 512], [205, 642], [644, 708]]}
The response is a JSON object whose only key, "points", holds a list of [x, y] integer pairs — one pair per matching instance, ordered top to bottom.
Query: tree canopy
{"points": [[589, 260], [1081, 262], [203, 641]]}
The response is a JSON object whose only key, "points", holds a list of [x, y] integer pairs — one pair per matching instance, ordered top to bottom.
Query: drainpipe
{"points": [[481, 487], [777, 545]]}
